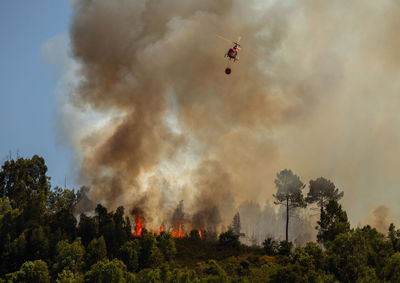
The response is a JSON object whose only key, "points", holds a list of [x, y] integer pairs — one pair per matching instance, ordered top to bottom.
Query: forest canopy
{"points": [[44, 239]]}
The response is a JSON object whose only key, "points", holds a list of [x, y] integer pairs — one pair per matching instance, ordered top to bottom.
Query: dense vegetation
{"points": [[41, 240]]}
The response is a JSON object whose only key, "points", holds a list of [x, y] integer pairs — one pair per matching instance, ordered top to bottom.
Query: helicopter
{"points": [[232, 53]]}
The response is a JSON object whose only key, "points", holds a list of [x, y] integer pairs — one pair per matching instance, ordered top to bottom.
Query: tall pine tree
{"points": [[289, 193]]}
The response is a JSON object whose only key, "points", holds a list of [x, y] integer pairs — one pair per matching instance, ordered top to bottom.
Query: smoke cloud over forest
{"points": [[157, 120]]}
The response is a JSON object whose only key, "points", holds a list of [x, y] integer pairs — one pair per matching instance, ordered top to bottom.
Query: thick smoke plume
{"points": [[318, 93]]}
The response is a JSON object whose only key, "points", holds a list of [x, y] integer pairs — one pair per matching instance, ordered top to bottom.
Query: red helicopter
{"points": [[232, 53]]}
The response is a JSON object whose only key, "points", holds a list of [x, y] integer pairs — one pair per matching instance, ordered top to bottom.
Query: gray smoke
{"points": [[316, 90]]}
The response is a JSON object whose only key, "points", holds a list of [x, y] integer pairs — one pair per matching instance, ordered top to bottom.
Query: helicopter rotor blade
{"points": [[223, 38]]}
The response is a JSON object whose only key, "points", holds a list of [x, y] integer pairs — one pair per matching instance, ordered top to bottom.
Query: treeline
{"points": [[41, 240]]}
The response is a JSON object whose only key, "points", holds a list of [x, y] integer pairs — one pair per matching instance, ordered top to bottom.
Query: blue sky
{"points": [[28, 83]]}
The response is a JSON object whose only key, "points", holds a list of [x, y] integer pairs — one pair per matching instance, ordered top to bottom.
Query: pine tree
{"points": [[322, 191], [289, 193], [333, 221], [236, 227]]}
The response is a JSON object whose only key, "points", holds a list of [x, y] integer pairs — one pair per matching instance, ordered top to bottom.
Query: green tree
{"points": [[24, 181], [322, 191], [289, 193], [62, 199], [5, 207], [333, 221], [64, 222], [104, 223], [113, 227], [87, 229], [121, 229], [394, 237], [229, 239], [38, 244], [167, 246], [270, 246], [285, 247], [378, 249], [96, 251], [16, 253], [129, 254], [12, 255], [150, 255], [70, 256], [318, 256], [359, 256], [311, 261], [343, 261], [211, 267], [243, 268], [392, 269], [31, 271], [107, 271], [213, 271], [297, 272], [288, 273], [149, 275], [183, 275], [67, 276]]}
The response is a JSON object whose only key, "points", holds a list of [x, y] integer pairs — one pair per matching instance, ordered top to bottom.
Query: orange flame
{"points": [[138, 225], [160, 230], [178, 233], [200, 234]]}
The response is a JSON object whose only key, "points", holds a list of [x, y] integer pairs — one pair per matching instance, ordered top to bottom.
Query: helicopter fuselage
{"points": [[232, 53]]}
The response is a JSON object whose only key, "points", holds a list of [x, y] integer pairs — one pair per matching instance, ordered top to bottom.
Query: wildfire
{"points": [[138, 225], [176, 227], [178, 233]]}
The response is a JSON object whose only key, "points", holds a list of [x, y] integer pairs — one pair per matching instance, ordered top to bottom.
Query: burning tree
{"points": [[289, 193], [178, 218], [139, 220], [177, 228], [196, 234]]}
